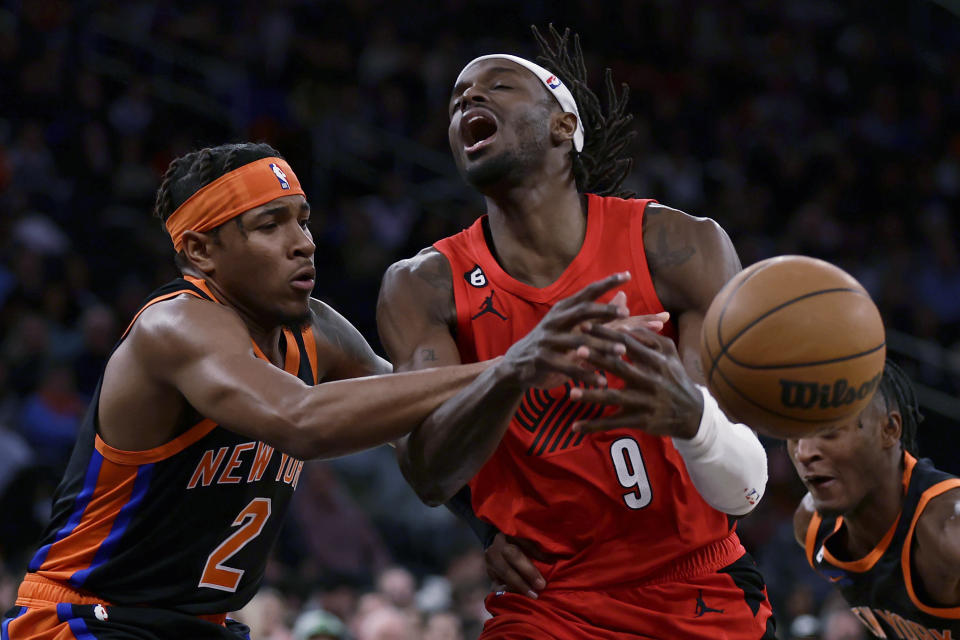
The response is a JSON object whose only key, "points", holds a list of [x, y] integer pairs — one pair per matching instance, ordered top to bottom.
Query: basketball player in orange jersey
{"points": [[186, 462], [628, 516], [881, 525]]}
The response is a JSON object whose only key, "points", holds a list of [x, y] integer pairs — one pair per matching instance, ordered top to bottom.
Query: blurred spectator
{"points": [[820, 127], [51, 416], [265, 614], [387, 623], [317, 624], [443, 625], [843, 625]]}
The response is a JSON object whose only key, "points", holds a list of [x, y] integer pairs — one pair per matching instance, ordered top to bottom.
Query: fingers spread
{"points": [[595, 290]]}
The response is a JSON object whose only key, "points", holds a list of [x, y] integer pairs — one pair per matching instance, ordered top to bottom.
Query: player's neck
{"points": [[536, 230], [264, 333], [875, 514]]}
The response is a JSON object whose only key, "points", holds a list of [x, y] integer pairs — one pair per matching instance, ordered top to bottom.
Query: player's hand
{"points": [[652, 321], [553, 351], [658, 396], [510, 569]]}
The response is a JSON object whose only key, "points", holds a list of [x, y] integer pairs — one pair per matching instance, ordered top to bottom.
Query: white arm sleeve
{"points": [[725, 460]]}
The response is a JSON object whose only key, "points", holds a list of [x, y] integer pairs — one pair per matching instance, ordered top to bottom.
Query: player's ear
{"points": [[562, 127], [197, 247], [891, 430]]}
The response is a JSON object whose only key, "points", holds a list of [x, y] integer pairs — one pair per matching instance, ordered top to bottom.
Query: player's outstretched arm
{"points": [[690, 260], [416, 314], [213, 366]]}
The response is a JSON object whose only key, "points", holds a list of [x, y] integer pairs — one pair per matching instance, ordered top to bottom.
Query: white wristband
{"points": [[725, 460]]}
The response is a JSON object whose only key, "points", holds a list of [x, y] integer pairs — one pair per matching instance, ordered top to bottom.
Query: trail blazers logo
{"points": [[489, 305], [549, 418]]}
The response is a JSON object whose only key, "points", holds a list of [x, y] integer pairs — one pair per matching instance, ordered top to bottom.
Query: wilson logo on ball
{"points": [[796, 394]]}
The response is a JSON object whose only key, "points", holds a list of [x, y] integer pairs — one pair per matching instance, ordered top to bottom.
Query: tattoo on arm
{"points": [[668, 256], [436, 273], [428, 355]]}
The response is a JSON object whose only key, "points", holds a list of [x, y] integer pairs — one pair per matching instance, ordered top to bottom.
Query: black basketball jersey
{"points": [[186, 526], [880, 587]]}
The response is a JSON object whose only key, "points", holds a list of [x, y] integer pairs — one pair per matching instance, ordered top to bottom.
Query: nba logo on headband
{"points": [[553, 82], [281, 176]]}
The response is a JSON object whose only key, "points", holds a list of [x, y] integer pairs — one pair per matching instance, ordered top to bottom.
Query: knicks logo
{"points": [[553, 82], [281, 176], [795, 394]]}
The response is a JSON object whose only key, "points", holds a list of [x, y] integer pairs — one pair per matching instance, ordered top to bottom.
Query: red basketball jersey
{"points": [[610, 508]]}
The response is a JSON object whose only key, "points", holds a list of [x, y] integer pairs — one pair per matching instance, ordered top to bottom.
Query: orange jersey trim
{"points": [[202, 285], [165, 296], [310, 345], [291, 363], [164, 451], [929, 494], [76, 552], [868, 561]]}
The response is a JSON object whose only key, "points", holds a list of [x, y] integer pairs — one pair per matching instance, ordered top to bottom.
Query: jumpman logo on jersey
{"points": [[487, 307], [702, 607]]}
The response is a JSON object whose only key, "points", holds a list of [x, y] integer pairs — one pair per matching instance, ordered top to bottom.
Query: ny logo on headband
{"points": [[553, 82], [281, 176]]}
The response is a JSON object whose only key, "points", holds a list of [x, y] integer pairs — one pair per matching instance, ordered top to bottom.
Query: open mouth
{"points": [[477, 130], [817, 481]]}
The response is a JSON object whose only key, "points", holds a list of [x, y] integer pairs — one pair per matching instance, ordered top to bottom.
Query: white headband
{"points": [[557, 89]]}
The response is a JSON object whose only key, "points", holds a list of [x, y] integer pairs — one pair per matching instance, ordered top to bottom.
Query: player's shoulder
{"points": [[660, 220], [690, 258], [428, 267], [182, 324], [940, 515], [802, 517]]}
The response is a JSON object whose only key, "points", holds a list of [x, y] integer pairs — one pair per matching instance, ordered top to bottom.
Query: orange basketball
{"points": [[792, 345]]}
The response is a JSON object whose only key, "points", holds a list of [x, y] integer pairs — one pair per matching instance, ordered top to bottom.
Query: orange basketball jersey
{"points": [[612, 508]]}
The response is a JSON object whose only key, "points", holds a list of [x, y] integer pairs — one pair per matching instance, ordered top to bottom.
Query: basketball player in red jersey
{"points": [[626, 516], [164, 519], [881, 525]]}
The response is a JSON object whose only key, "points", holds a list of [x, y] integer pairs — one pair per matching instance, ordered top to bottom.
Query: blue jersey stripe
{"points": [[140, 486], [80, 505], [77, 625], [79, 628], [4, 634]]}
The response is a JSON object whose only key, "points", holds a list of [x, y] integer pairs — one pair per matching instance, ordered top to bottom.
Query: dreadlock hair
{"points": [[598, 168], [190, 172], [898, 394]]}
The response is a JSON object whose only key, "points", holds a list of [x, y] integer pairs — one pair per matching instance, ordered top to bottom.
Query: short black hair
{"points": [[600, 167], [898, 393]]}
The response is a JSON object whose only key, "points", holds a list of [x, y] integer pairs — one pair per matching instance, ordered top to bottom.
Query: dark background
{"points": [[819, 127]]}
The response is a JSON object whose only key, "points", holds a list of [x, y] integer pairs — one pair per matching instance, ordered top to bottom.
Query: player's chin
{"points": [[830, 503]]}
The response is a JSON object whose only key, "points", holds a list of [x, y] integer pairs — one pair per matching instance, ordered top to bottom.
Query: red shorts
{"points": [[729, 604]]}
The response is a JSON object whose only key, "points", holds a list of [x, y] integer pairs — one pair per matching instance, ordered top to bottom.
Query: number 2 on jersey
{"points": [[631, 473], [217, 576]]}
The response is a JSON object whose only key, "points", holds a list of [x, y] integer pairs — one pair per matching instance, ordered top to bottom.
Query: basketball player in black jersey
{"points": [[224, 382], [880, 524]]}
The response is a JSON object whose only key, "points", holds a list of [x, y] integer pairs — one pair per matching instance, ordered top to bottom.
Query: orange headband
{"points": [[230, 195]]}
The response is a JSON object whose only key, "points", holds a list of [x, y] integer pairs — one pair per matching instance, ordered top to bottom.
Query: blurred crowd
{"points": [[820, 127]]}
